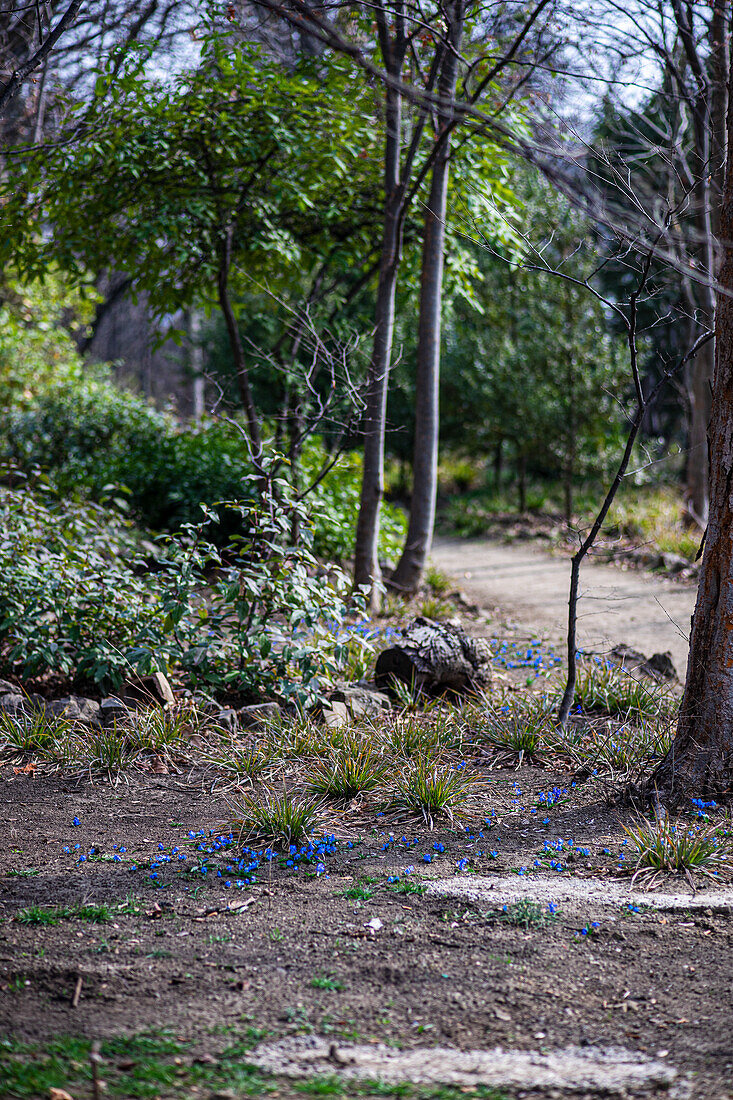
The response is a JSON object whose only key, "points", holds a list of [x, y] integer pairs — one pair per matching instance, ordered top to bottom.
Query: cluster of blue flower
{"points": [[521, 655], [551, 798]]}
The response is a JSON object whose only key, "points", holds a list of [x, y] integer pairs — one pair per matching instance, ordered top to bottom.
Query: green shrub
{"points": [[68, 418], [335, 505], [69, 599], [260, 619]]}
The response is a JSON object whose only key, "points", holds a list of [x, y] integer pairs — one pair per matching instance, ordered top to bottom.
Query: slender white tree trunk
{"points": [[366, 554], [410, 568]]}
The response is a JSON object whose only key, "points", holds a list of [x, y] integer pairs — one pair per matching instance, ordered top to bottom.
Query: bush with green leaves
{"points": [[69, 419], [335, 505], [70, 601], [272, 616], [258, 618]]}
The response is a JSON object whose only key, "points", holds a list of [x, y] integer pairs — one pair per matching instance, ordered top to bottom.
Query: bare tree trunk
{"points": [[708, 108], [238, 357], [196, 365], [696, 494], [366, 553], [410, 568], [701, 757]]}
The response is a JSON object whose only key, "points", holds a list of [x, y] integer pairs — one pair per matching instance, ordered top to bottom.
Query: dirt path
{"points": [[530, 587]]}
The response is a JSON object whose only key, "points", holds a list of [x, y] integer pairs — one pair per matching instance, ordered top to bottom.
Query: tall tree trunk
{"points": [[709, 111], [238, 357], [698, 392], [366, 553], [411, 566], [408, 574], [700, 759]]}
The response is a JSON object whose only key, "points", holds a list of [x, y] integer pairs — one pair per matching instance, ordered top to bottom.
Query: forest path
{"points": [[530, 587]]}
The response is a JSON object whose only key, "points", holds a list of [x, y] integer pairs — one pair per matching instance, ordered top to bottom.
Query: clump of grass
{"points": [[655, 515], [438, 583], [435, 608], [355, 657], [612, 690], [160, 729], [518, 731], [34, 732], [429, 734], [301, 737], [109, 751], [623, 751], [246, 763], [350, 770], [432, 789], [280, 820], [665, 847], [407, 886], [360, 891], [524, 913], [52, 914], [41, 915]]}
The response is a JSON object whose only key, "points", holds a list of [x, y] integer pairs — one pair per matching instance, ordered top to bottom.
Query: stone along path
{"points": [[530, 586]]}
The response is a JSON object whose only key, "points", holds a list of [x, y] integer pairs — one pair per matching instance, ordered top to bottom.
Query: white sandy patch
{"points": [[498, 890], [572, 1069]]}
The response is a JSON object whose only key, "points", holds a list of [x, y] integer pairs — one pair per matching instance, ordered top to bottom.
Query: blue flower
{"points": [[76, 821], [427, 858], [462, 864]]}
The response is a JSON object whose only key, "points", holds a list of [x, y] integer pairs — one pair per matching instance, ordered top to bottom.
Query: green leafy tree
{"points": [[231, 175], [531, 366]]}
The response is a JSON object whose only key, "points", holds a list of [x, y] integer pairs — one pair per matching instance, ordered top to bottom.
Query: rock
{"points": [[674, 563], [627, 657], [433, 658], [659, 664], [663, 664], [6, 688], [150, 689], [361, 699], [13, 704], [21, 706], [75, 708], [113, 711], [259, 714], [336, 715], [226, 719]]}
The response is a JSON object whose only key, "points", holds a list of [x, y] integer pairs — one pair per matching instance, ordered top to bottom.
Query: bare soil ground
{"points": [[300, 958], [189, 985]]}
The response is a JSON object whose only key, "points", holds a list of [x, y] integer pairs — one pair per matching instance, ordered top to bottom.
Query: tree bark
{"points": [[709, 110], [238, 356], [696, 494], [411, 566], [367, 573], [700, 759]]}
